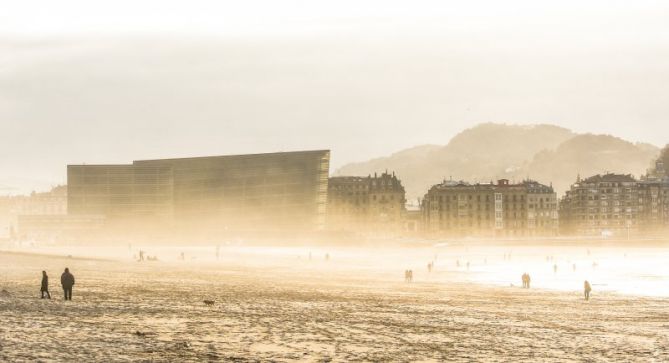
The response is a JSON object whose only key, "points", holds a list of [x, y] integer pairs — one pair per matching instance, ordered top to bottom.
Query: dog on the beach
{"points": [[209, 302]]}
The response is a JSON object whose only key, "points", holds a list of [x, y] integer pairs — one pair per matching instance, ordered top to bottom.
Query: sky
{"points": [[111, 82]]}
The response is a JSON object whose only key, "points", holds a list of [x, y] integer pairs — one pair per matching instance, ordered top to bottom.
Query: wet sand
{"points": [[297, 310]]}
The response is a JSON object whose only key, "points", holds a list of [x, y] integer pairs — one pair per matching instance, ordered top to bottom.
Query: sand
{"points": [[299, 310]]}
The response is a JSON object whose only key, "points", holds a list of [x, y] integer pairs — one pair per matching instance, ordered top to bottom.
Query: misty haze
{"points": [[334, 181]]}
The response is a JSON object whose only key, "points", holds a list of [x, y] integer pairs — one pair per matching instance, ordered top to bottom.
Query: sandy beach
{"points": [[304, 310]]}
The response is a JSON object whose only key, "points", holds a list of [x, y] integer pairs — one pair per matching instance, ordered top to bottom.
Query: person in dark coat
{"points": [[67, 280], [45, 286], [586, 289]]}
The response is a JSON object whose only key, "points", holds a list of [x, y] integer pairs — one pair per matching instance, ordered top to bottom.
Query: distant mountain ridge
{"points": [[489, 151]]}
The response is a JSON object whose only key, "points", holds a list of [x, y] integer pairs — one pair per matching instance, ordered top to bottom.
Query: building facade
{"points": [[260, 192], [372, 204], [36, 205], [601, 205], [615, 205], [460, 209]]}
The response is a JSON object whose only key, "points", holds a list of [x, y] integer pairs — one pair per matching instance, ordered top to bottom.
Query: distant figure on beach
{"points": [[141, 255], [182, 256], [327, 257], [457, 263], [468, 265], [430, 266], [574, 267], [555, 268], [406, 275], [410, 275], [526, 280], [67, 281], [45, 286], [586, 289]]}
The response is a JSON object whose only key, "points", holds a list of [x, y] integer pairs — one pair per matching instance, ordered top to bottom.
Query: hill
{"points": [[547, 153]]}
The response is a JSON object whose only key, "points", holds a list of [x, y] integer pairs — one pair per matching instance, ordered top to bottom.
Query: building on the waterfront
{"points": [[283, 191], [372, 204], [35, 205], [601, 205], [615, 205], [654, 206], [502, 209]]}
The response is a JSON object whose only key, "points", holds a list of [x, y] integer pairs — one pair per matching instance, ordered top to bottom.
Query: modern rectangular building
{"points": [[285, 191]]}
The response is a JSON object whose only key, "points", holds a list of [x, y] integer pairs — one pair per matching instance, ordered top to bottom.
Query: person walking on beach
{"points": [[408, 275], [67, 280], [45, 286], [586, 289]]}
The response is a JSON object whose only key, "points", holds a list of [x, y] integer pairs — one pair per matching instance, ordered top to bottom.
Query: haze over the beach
{"points": [[114, 82]]}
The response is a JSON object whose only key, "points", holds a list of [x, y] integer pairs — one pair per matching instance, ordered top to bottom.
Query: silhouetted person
{"points": [[141, 255], [467, 265], [555, 268], [406, 275], [410, 275], [67, 280], [527, 280], [45, 286], [586, 289]]}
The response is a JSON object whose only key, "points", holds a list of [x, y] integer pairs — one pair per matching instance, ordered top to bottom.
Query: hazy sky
{"points": [[96, 82]]}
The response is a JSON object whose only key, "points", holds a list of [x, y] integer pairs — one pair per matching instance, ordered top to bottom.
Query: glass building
{"points": [[282, 191]]}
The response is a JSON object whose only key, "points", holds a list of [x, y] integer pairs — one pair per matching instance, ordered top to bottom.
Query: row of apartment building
{"points": [[288, 192], [607, 205]]}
